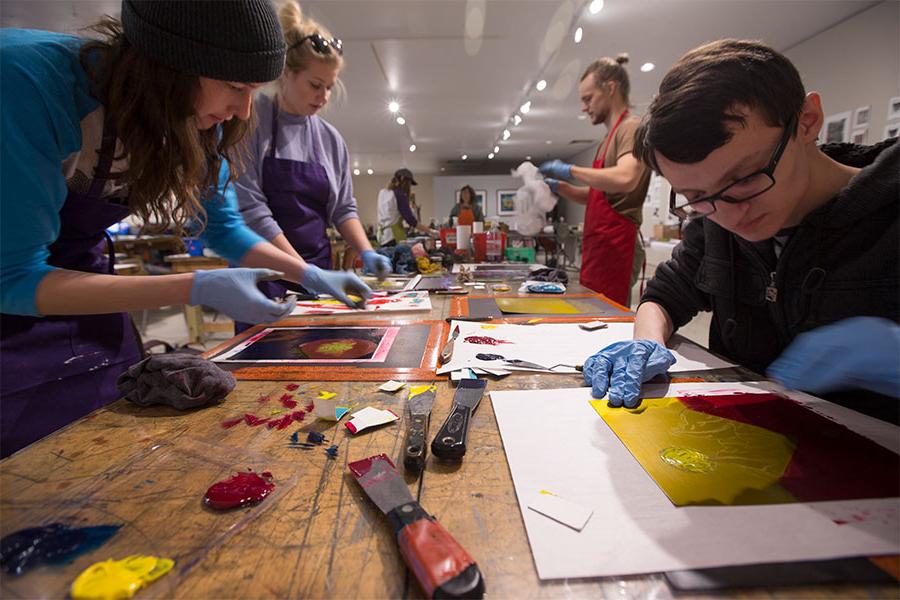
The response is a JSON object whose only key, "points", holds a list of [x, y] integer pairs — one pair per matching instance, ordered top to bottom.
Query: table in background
{"points": [[197, 326], [323, 538]]}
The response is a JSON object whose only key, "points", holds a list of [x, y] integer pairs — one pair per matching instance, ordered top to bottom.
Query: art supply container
{"points": [[463, 235], [479, 246]]}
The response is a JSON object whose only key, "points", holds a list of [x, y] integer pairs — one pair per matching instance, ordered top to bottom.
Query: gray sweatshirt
{"points": [[308, 139]]}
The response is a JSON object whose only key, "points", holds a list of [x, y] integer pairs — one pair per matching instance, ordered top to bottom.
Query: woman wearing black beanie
{"points": [[145, 119]]}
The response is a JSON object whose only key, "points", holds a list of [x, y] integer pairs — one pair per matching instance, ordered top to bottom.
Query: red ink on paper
{"points": [[484, 339], [242, 489]]}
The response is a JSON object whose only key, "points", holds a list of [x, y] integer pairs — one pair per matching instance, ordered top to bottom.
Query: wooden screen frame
{"points": [[460, 308], [425, 370]]}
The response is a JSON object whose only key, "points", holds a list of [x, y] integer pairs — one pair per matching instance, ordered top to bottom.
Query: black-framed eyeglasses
{"points": [[322, 45], [735, 192]]}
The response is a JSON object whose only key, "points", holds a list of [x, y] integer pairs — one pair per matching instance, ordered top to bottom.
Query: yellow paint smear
{"points": [[549, 306], [415, 390], [702, 459], [119, 579]]}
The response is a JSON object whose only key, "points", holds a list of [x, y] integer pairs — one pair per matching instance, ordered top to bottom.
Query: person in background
{"points": [[145, 120], [297, 180], [615, 184], [394, 210], [466, 211], [793, 247]]}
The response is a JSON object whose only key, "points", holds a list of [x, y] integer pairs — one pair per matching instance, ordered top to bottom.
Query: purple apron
{"points": [[297, 193], [56, 369]]}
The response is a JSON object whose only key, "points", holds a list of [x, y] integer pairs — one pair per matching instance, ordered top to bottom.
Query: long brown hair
{"points": [[171, 163]]}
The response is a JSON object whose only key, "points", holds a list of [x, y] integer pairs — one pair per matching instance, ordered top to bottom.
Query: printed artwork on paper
{"points": [[401, 302], [298, 345], [745, 449]]}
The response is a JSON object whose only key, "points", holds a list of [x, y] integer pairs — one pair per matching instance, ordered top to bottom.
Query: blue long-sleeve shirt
{"points": [[50, 128], [308, 139]]}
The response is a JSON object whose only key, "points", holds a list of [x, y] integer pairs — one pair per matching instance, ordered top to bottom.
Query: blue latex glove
{"points": [[556, 169], [553, 184], [375, 263], [338, 284], [234, 292], [856, 353], [622, 367]]}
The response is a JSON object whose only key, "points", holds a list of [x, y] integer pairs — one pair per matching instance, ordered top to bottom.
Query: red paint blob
{"points": [[484, 339], [291, 387], [263, 399], [287, 402], [310, 407], [298, 415], [253, 420], [229, 423], [281, 423], [361, 467], [241, 490]]}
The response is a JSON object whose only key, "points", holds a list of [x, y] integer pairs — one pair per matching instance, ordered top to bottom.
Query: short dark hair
{"points": [[699, 95]]}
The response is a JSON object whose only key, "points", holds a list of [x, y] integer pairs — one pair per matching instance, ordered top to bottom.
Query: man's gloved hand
{"points": [[556, 169], [553, 184], [376, 264], [338, 284], [234, 292], [856, 353], [622, 367]]}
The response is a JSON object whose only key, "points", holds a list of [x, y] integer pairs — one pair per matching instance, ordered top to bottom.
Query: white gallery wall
{"points": [[445, 188]]}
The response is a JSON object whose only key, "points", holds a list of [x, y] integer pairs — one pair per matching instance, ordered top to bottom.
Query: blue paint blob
{"points": [[483, 356], [295, 437], [314, 437], [331, 451], [52, 544]]}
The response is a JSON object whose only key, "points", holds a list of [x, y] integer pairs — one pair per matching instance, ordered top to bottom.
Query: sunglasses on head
{"points": [[322, 45]]}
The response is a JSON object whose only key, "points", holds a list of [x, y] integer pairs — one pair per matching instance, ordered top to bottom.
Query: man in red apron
{"points": [[616, 184]]}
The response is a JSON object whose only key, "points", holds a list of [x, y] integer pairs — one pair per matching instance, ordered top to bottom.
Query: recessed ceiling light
{"points": [[596, 6], [579, 33], [647, 67], [541, 85], [393, 106], [525, 108], [582, 117], [516, 119], [401, 121], [506, 134], [549, 142], [412, 147], [496, 149], [464, 156], [490, 156], [528, 157], [443, 169], [356, 171], [370, 171]]}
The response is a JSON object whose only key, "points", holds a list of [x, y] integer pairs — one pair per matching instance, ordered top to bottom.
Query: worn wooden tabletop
{"points": [[318, 536]]}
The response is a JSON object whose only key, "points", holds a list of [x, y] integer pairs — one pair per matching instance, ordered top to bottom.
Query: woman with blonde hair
{"points": [[145, 120], [298, 179]]}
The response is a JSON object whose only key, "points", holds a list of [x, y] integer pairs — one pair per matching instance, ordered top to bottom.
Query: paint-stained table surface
{"points": [[318, 536]]}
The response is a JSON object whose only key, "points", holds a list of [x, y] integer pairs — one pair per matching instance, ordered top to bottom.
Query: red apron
{"points": [[466, 216], [608, 246]]}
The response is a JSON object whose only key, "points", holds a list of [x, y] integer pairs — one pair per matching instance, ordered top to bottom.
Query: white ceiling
{"points": [[458, 93]]}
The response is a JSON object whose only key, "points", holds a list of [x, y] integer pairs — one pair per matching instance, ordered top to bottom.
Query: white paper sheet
{"points": [[549, 344], [559, 509], [638, 530]]}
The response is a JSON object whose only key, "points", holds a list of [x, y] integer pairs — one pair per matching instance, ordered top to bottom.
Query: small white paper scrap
{"points": [[462, 374], [391, 386], [369, 417], [559, 509]]}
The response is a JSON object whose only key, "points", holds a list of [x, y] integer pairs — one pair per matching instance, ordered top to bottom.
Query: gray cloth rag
{"points": [[179, 380]]}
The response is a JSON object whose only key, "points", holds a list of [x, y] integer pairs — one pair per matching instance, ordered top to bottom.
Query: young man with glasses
{"points": [[794, 248]]}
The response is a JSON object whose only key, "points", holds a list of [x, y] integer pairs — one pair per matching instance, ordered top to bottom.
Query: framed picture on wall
{"points": [[894, 109], [861, 117], [837, 128], [892, 130], [859, 136], [480, 197], [506, 202]]}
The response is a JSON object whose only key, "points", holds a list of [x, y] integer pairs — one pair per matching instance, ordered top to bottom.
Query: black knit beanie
{"points": [[229, 40]]}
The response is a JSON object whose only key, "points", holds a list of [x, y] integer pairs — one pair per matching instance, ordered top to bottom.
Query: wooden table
{"points": [[148, 468]]}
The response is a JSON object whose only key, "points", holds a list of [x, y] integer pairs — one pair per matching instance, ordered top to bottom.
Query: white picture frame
{"points": [[894, 109], [862, 116], [837, 128], [891, 130], [859, 136]]}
